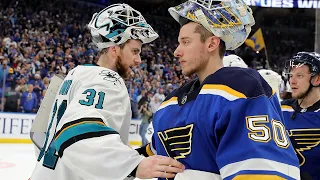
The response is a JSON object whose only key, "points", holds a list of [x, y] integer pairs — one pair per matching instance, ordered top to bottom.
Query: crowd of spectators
{"points": [[38, 41]]}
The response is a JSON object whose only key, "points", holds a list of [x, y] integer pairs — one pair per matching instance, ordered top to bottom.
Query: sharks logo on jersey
{"points": [[304, 140], [177, 141]]}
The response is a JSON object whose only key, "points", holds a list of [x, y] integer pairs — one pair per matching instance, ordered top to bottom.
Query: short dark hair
{"points": [[205, 34], [105, 50]]}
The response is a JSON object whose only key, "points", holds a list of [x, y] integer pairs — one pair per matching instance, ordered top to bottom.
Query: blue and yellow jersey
{"points": [[229, 126], [303, 126]]}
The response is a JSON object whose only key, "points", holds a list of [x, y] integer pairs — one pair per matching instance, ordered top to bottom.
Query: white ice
{"points": [[17, 161]]}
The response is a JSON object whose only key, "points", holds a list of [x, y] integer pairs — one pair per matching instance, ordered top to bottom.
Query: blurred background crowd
{"points": [[41, 38]]}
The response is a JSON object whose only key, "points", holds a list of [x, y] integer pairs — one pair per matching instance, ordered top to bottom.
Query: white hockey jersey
{"points": [[88, 129]]}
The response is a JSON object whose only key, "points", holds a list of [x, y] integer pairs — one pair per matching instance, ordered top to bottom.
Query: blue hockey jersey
{"points": [[303, 126], [230, 127]]}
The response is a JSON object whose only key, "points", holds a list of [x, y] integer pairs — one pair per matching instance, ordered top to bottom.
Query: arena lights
{"points": [[285, 3]]}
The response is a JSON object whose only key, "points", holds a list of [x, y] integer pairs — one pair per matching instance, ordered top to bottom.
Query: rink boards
{"points": [[15, 128]]}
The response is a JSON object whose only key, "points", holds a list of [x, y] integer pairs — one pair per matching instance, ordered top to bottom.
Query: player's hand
{"points": [[158, 166]]}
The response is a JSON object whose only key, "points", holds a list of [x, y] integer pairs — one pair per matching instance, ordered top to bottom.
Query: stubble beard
{"points": [[199, 66], [124, 72], [188, 73], [299, 95]]}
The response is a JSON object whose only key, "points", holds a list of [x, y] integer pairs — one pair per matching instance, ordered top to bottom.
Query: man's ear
{"points": [[212, 43], [114, 50], [317, 80]]}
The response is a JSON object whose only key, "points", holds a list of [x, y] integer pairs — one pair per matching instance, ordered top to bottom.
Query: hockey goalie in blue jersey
{"points": [[302, 112], [227, 123], [225, 129]]}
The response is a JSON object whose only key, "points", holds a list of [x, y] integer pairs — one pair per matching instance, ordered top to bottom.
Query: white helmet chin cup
{"points": [[230, 20], [118, 23], [234, 61]]}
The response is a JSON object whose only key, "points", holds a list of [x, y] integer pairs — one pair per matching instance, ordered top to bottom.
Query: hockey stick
{"points": [[40, 124]]}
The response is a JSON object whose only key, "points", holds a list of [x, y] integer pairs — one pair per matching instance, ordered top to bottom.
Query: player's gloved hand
{"points": [[158, 166]]}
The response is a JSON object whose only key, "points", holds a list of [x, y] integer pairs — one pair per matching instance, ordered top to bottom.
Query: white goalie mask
{"points": [[118, 23]]}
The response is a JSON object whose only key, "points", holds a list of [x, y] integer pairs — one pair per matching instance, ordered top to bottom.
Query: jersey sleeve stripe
{"points": [[69, 124], [77, 124], [80, 131], [60, 149], [259, 164], [261, 175], [257, 176]]}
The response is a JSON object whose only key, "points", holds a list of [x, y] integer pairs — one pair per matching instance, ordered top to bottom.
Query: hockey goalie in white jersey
{"points": [[88, 125]]}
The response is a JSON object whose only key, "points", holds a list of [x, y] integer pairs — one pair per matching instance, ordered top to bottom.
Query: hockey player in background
{"points": [[272, 78], [302, 112], [227, 124], [87, 137]]}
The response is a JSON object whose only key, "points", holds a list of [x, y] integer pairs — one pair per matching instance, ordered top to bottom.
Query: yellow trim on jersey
{"points": [[222, 90], [168, 101], [171, 101], [286, 108], [149, 151], [257, 176]]}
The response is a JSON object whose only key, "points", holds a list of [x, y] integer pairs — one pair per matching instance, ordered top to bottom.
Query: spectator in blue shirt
{"points": [[4, 68], [37, 85], [29, 101]]}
